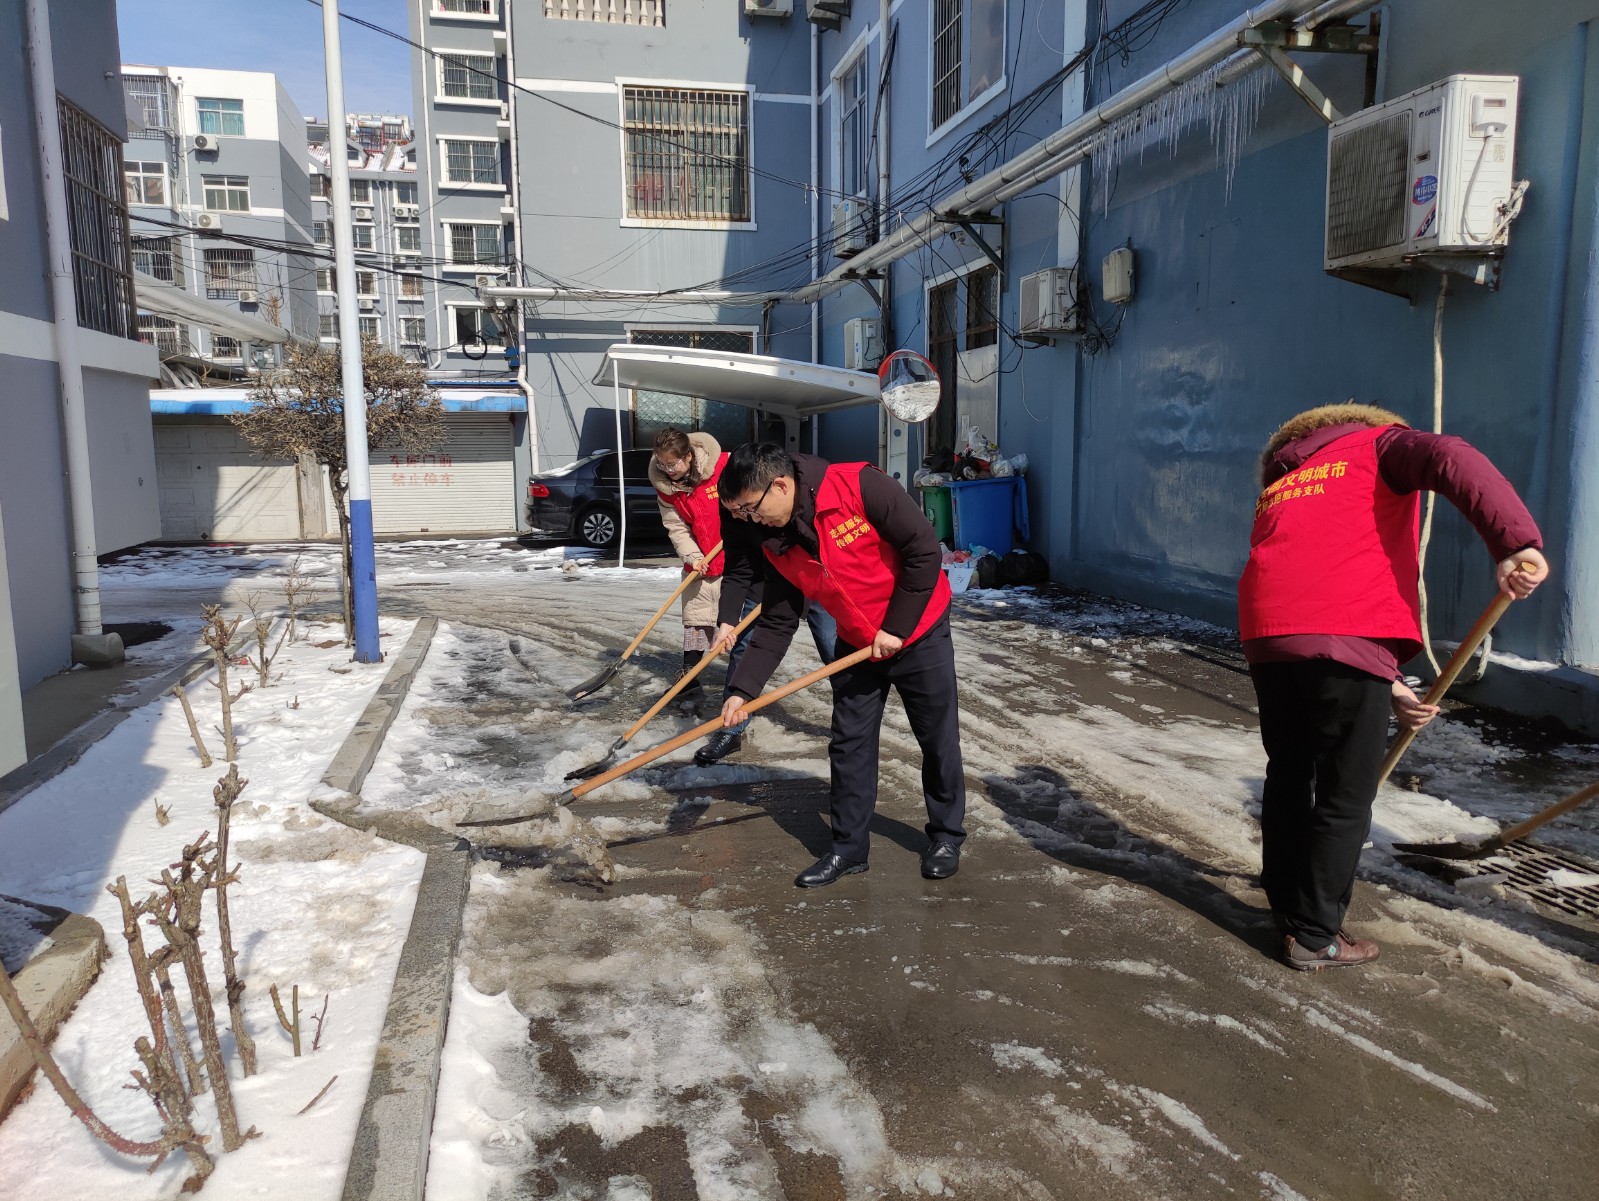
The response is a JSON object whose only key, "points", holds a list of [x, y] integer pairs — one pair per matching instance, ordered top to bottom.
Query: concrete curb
{"points": [[50, 984], [390, 1158]]}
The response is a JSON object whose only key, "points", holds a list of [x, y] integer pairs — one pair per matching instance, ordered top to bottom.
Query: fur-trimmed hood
{"points": [[706, 451], [1274, 462]]}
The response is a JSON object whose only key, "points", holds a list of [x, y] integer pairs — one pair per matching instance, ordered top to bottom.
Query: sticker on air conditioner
{"points": [[1424, 189], [1426, 223]]}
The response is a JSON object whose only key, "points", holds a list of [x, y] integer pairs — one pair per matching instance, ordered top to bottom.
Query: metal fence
{"points": [[97, 217]]}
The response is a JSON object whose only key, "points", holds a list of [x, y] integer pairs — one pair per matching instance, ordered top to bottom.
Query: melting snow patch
{"points": [[1014, 1057], [1459, 1092]]}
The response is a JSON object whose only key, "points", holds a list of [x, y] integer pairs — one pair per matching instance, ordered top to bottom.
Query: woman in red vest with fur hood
{"points": [[685, 471], [1328, 610]]}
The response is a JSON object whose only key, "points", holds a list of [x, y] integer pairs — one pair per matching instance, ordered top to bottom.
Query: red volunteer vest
{"points": [[701, 511], [1333, 551], [857, 572]]}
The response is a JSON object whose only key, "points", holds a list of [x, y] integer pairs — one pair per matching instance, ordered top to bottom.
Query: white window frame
{"points": [[438, 13], [857, 57], [625, 82], [997, 88], [443, 97], [199, 115], [141, 175], [455, 185], [227, 188], [400, 196], [326, 225], [400, 234], [371, 236], [449, 247], [328, 272], [372, 277], [421, 289], [451, 310], [321, 319], [407, 323], [376, 328]]}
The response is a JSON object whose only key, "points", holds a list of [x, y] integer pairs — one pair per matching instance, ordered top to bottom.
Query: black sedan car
{"points": [[580, 501]]}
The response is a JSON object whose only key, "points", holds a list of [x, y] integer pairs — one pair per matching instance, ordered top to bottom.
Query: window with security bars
{"points": [[470, 8], [612, 12], [968, 54], [946, 60], [468, 77], [153, 95], [225, 117], [853, 136], [686, 154], [471, 161], [146, 182], [321, 187], [360, 191], [227, 193], [322, 233], [362, 236], [470, 243], [159, 258], [102, 260], [227, 270], [324, 279], [366, 283], [410, 287], [982, 308], [329, 326], [369, 327], [413, 330], [165, 334], [943, 344], [223, 347], [730, 424]]}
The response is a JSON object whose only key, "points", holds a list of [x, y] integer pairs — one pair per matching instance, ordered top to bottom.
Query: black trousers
{"points": [[924, 674], [1325, 729]]}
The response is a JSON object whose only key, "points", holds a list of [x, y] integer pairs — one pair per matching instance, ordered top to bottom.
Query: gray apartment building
{"points": [[217, 184], [386, 221], [40, 595]]}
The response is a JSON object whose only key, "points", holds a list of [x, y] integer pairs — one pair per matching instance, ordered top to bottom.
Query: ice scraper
{"points": [[591, 686]]}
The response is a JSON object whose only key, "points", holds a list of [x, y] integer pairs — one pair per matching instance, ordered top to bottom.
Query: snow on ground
{"points": [[317, 905]]}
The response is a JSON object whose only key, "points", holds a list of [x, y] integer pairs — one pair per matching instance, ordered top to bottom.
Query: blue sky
{"points": [[281, 36]]}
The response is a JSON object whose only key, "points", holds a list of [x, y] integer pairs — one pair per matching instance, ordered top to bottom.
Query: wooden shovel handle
{"points": [[661, 612], [1452, 669], [684, 680], [700, 731], [1528, 825]]}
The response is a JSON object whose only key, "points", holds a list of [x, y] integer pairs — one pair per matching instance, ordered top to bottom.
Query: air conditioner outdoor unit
{"points": [[768, 8], [505, 110], [203, 142], [1430, 172], [405, 210], [361, 212], [208, 221], [851, 228], [485, 281], [249, 296], [1049, 303], [368, 304], [863, 343]]}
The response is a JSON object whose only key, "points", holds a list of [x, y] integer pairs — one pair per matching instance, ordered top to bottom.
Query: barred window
{"points": [[472, 8], [614, 12], [968, 53], [946, 60], [468, 77], [153, 95], [219, 116], [687, 154], [474, 161], [146, 182], [321, 187], [360, 191], [227, 193], [322, 233], [363, 236], [408, 237], [473, 243], [159, 258], [102, 262], [227, 270], [324, 279], [366, 283], [410, 287], [982, 308], [330, 326], [369, 327], [413, 330], [165, 334], [224, 347], [729, 423]]}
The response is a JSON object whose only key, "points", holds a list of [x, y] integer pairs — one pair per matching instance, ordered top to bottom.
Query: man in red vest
{"points": [[685, 471], [850, 538], [1328, 609]]}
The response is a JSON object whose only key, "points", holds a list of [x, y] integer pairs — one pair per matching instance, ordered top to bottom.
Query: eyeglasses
{"points": [[674, 469], [748, 511]]}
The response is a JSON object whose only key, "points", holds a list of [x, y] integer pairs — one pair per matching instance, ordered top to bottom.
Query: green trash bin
{"points": [[936, 504]]}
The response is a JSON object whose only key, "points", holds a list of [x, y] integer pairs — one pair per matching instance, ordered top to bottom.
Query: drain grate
{"points": [[1550, 877]]}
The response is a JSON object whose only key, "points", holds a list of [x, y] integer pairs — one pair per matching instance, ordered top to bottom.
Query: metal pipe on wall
{"points": [[816, 211], [522, 381], [90, 643]]}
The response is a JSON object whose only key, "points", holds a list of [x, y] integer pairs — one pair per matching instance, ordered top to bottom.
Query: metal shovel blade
{"points": [[591, 686], [593, 769], [565, 798], [1452, 850]]}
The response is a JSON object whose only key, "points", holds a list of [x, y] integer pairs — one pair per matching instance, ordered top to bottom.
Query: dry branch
{"points": [[217, 633], [194, 729], [225, 793], [293, 1027], [316, 1040], [162, 1063], [317, 1098]]}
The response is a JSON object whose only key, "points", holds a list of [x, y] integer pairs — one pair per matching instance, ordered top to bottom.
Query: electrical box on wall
{"points": [[1430, 172], [852, 232], [1116, 276], [1049, 303], [863, 343]]}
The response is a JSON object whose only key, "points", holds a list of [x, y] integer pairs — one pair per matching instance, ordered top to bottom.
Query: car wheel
{"points": [[596, 527]]}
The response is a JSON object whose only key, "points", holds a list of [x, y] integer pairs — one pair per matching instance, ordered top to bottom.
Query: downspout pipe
{"points": [[1067, 146], [816, 216], [886, 311], [522, 381], [90, 643]]}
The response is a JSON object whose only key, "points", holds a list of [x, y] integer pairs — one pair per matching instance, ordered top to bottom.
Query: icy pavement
{"points": [[1089, 1009]]}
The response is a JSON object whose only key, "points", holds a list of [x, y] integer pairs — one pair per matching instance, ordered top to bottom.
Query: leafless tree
{"points": [[299, 409], [217, 633]]}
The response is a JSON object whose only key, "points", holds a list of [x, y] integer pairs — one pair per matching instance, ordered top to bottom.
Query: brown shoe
{"points": [[1342, 951]]}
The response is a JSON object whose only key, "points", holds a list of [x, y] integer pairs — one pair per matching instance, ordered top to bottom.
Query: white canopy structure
{"points": [[786, 388]]}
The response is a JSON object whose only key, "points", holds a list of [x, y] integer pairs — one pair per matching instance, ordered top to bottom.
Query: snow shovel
{"points": [[1452, 669], [590, 687], [682, 740], [594, 769], [1481, 850]]}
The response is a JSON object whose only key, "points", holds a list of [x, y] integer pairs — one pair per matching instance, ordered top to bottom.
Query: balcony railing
{"points": [[611, 12]]}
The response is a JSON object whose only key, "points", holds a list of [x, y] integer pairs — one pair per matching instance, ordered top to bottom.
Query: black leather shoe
{"points": [[718, 747], [940, 861], [827, 870]]}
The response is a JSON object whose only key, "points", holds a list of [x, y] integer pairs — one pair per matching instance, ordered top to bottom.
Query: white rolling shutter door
{"points": [[467, 485], [214, 488]]}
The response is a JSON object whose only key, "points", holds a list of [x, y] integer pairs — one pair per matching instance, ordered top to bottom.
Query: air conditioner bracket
{"points": [[1300, 82], [982, 243]]}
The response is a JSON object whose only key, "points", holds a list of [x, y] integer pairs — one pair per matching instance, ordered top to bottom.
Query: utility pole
{"points": [[363, 568]]}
